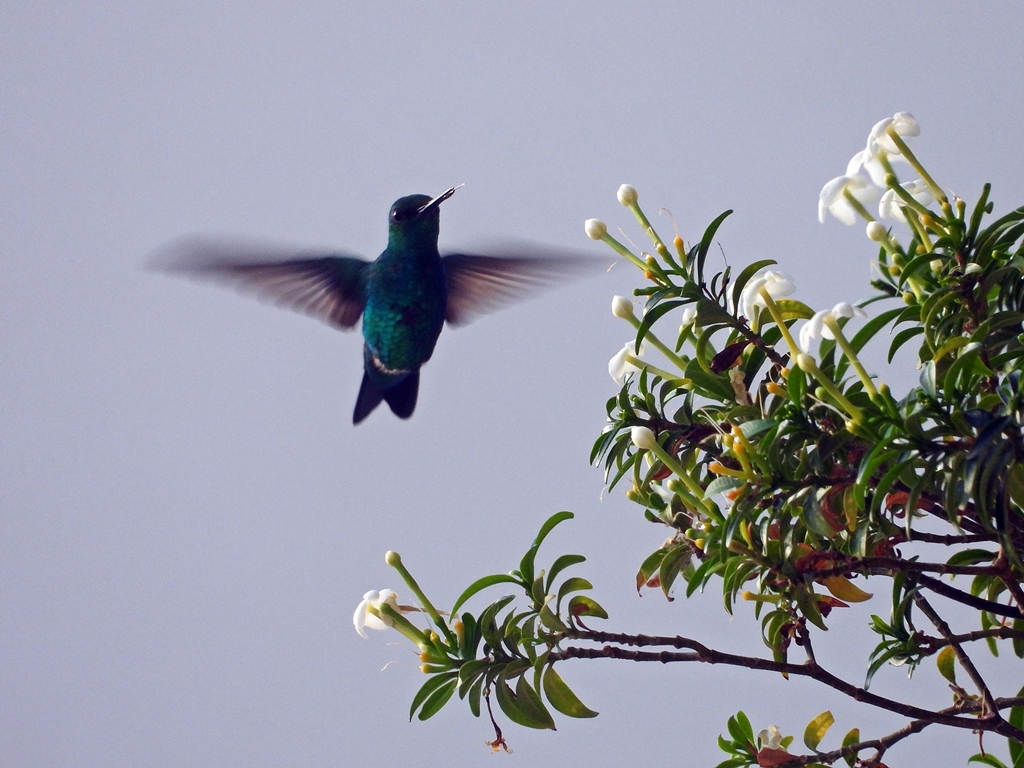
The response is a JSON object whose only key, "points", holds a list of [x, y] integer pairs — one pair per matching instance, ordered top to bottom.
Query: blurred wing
{"points": [[479, 283], [331, 288]]}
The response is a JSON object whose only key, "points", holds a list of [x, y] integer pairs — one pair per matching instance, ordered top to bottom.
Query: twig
{"points": [[948, 591], [940, 624]]}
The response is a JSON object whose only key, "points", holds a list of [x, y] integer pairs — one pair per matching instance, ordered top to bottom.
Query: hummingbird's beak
{"points": [[439, 199]]}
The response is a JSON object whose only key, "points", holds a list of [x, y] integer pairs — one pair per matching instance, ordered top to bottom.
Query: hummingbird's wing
{"points": [[480, 283], [331, 288]]}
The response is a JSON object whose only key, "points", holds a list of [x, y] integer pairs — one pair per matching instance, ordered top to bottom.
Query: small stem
{"points": [[936, 190], [857, 205], [776, 314], [658, 344], [851, 355], [641, 363], [809, 365], [694, 487], [395, 561]]}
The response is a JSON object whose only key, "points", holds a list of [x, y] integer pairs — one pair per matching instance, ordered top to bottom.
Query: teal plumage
{"points": [[404, 297]]}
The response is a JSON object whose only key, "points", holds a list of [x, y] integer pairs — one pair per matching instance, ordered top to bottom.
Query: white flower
{"points": [[903, 123], [879, 144], [627, 195], [833, 197], [890, 204], [595, 228], [776, 284], [622, 307], [816, 328], [619, 367], [642, 437], [363, 619], [770, 738]]}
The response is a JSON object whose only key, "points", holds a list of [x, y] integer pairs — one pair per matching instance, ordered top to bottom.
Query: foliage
{"points": [[791, 477]]}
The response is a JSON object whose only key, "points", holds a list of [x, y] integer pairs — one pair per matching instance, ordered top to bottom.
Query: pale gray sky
{"points": [[188, 517]]}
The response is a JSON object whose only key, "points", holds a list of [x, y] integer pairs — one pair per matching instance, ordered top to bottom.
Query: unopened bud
{"points": [[627, 195], [595, 228], [622, 307]]}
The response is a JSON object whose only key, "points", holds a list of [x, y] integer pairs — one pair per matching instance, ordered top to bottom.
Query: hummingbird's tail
{"points": [[401, 397], [369, 398]]}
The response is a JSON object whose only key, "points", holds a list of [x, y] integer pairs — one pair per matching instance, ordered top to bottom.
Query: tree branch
{"points": [[701, 653]]}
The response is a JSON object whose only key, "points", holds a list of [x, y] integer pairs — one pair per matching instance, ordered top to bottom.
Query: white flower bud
{"points": [[627, 195], [595, 229], [876, 231], [622, 307], [805, 362], [643, 437]]}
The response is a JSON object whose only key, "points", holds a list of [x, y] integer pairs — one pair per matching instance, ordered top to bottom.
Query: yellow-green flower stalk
{"points": [[598, 230], [623, 308], [825, 324], [809, 366], [644, 438], [395, 561]]}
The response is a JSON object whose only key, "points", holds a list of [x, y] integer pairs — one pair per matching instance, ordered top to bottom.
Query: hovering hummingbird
{"points": [[403, 298]]}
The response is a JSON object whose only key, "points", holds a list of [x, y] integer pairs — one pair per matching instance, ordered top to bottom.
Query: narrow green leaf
{"points": [[705, 244], [744, 277], [560, 564], [526, 565], [481, 584], [428, 688], [561, 696], [437, 700]]}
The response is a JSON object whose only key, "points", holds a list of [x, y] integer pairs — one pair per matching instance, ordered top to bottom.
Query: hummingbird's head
{"points": [[417, 215]]}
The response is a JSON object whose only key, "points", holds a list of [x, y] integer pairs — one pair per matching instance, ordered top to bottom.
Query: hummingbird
{"points": [[403, 298]]}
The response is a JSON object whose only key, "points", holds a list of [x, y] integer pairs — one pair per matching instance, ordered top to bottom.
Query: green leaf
{"points": [[705, 244], [744, 277], [792, 309], [654, 313], [722, 484], [971, 557], [526, 565], [560, 565], [649, 567], [481, 584], [574, 584], [581, 605], [550, 620], [945, 660], [430, 687], [561, 696], [437, 700], [530, 701], [515, 711], [1017, 721], [817, 728], [740, 729], [851, 738], [987, 759]]}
